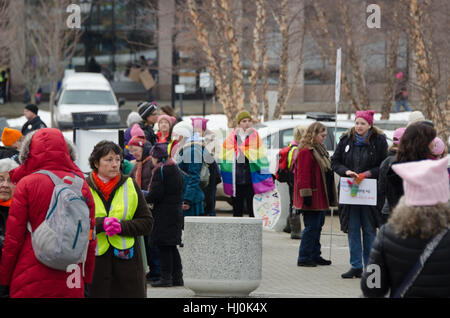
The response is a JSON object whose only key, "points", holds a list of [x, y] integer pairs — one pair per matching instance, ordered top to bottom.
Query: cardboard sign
{"points": [[134, 74], [147, 79], [367, 192]]}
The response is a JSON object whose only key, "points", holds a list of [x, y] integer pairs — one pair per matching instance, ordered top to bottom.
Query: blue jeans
{"points": [[403, 103], [359, 218], [309, 249]]}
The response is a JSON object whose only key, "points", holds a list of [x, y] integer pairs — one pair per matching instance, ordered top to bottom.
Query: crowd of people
{"points": [[137, 198], [412, 207]]}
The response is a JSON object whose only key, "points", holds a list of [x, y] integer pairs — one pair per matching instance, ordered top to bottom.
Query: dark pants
{"points": [[243, 201], [309, 249], [153, 257], [171, 268]]}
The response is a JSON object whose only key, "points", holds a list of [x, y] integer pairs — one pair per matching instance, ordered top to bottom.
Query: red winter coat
{"points": [[309, 181], [19, 268]]}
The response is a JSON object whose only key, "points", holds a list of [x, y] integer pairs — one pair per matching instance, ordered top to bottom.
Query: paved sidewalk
{"points": [[282, 278]]}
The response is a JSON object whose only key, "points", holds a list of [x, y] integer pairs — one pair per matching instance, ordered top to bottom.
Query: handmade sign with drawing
{"points": [[366, 192], [266, 206]]}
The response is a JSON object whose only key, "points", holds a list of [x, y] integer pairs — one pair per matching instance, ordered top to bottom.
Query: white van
{"points": [[81, 93]]}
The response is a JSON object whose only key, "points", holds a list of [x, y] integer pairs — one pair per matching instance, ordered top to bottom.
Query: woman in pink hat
{"points": [[165, 124], [360, 153], [411, 254]]}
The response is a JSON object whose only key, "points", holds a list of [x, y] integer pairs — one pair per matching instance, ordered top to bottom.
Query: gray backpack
{"points": [[62, 238]]}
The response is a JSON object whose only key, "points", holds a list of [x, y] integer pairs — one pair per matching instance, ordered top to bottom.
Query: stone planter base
{"points": [[222, 256]]}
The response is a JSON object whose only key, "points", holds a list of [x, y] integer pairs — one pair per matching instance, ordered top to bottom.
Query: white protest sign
{"points": [[180, 89], [367, 192]]}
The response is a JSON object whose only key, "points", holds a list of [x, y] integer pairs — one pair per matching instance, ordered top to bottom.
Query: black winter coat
{"points": [[32, 125], [150, 135], [9, 152], [348, 156], [390, 185], [166, 194], [397, 256]]}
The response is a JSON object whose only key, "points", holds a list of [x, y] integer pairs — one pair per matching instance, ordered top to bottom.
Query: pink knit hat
{"points": [[399, 75], [367, 115], [170, 119], [199, 122], [136, 130], [398, 133], [438, 147], [425, 182]]}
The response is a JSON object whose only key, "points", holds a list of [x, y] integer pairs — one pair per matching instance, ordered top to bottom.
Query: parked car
{"points": [[85, 93], [277, 134]]}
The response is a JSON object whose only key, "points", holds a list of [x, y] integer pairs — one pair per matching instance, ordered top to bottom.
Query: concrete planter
{"points": [[222, 256]]}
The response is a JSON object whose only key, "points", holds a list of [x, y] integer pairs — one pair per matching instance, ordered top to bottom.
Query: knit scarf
{"points": [[162, 139], [361, 140], [322, 157], [139, 170], [105, 188], [6, 203]]}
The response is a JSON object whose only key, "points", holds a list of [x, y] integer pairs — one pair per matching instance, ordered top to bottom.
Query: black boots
{"points": [[296, 226], [353, 272], [162, 283]]}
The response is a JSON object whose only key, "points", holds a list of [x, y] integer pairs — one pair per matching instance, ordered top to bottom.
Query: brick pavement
{"points": [[282, 278]]}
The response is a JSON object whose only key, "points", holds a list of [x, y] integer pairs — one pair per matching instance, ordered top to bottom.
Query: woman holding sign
{"points": [[359, 155], [314, 192]]}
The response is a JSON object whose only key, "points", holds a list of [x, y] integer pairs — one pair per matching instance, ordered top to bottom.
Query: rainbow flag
{"points": [[256, 153]]}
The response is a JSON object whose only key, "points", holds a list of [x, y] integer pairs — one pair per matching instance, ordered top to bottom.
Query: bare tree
{"points": [[53, 42], [423, 59]]}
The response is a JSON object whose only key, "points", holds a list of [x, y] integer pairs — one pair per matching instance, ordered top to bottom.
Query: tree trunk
{"points": [[256, 57], [423, 58], [284, 60], [390, 74]]}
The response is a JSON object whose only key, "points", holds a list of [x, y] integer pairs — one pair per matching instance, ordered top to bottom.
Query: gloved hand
{"points": [[307, 201], [111, 226]]}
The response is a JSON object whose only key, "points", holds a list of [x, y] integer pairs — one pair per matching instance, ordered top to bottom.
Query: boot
{"points": [[296, 227], [287, 228], [353, 272], [162, 283]]}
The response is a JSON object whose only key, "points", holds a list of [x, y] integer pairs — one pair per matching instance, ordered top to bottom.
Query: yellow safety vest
{"points": [[290, 154], [123, 207]]}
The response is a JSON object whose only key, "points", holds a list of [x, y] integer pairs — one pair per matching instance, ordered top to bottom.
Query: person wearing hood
{"points": [[133, 119], [34, 122], [199, 125], [12, 140], [45, 149], [359, 154], [190, 160], [142, 174], [6, 194], [166, 195], [410, 257]]}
